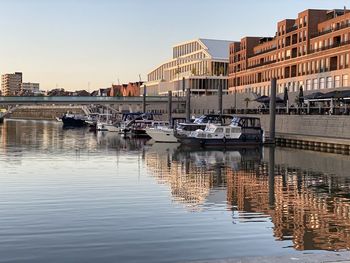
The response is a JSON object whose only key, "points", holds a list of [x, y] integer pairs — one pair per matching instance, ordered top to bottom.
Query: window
{"points": [[342, 61], [345, 80], [336, 81], [329, 82], [315, 83], [322, 83], [308, 84]]}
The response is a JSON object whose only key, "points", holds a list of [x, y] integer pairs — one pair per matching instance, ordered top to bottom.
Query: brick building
{"points": [[311, 51], [126, 90]]}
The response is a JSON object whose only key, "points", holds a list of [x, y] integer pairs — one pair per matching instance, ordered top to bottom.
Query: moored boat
{"points": [[72, 120], [200, 123], [243, 131], [161, 134]]}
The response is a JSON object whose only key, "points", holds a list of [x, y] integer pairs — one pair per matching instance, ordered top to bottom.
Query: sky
{"points": [[90, 44]]}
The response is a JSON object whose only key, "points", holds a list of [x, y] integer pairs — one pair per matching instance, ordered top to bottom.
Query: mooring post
{"points": [[144, 99], [220, 99], [188, 105], [170, 107], [273, 111]]}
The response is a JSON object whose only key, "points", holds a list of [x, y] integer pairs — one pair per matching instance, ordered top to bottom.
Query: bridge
{"points": [[86, 100]]}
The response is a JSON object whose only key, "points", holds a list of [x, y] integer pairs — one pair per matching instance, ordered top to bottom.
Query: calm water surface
{"points": [[76, 196]]}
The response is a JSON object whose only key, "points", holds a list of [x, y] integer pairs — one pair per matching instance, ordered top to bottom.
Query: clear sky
{"points": [[71, 43]]}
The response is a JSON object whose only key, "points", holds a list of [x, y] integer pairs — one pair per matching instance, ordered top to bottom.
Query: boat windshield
{"points": [[208, 119], [246, 122]]}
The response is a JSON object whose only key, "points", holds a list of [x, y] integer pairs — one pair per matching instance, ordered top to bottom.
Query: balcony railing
{"points": [[293, 28], [330, 30], [330, 46], [265, 51], [262, 64]]}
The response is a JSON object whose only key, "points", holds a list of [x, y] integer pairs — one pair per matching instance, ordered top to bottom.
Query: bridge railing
{"points": [[76, 99]]}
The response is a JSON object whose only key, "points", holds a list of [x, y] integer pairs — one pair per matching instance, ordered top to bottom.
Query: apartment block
{"points": [[311, 51], [200, 64], [11, 84], [31, 87]]}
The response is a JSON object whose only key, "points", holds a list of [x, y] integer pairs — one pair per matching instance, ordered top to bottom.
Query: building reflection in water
{"points": [[307, 206]]}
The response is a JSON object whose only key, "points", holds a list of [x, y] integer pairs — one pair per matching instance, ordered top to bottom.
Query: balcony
{"points": [[293, 28], [330, 30], [340, 44], [263, 52], [262, 64]]}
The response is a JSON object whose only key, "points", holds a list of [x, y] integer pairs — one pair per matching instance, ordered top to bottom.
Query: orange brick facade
{"points": [[311, 51], [126, 90]]}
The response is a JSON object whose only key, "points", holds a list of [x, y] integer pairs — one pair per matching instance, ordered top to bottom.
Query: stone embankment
{"points": [[42, 112], [314, 132]]}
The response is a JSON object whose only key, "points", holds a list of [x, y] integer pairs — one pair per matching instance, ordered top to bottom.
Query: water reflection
{"points": [[136, 198], [308, 207]]}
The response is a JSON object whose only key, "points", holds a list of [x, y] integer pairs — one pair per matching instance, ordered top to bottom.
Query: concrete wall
{"points": [[310, 125]]}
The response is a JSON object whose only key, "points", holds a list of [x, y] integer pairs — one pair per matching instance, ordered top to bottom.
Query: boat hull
{"points": [[73, 122], [107, 127], [162, 135], [200, 142]]}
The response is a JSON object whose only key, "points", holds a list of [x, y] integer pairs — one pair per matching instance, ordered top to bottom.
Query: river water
{"points": [[76, 196]]}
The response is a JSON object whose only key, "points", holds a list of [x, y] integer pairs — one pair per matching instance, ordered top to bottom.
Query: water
{"points": [[76, 196]]}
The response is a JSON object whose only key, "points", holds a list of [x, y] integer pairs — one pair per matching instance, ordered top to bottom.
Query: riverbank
{"points": [[43, 112]]}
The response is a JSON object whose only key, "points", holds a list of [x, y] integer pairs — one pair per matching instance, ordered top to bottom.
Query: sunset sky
{"points": [[71, 43]]}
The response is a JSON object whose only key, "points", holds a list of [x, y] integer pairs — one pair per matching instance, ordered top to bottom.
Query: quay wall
{"points": [[43, 112], [310, 125]]}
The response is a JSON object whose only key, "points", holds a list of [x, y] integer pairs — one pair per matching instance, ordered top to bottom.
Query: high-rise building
{"points": [[311, 51], [199, 64], [11, 84]]}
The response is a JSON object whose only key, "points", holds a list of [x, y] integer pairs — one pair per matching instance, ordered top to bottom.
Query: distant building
{"points": [[311, 51], [200, 64], [11, 84], [30, 87], [126, 90], [104, 92]]}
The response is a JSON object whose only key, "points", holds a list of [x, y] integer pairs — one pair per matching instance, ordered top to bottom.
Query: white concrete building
{"points": [[201, 65], [11, 84], [30, 87]]}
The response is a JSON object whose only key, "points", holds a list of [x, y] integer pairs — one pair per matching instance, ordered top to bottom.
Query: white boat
{"points": [[104, 123], [107, 126], [243, 131], [161, 134]]}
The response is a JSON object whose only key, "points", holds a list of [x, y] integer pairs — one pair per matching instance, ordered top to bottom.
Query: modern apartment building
{"points": [[311, 51], [200, 64], [11, 84], [31, 87]]}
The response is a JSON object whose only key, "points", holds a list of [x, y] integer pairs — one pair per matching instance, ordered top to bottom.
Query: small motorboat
{"points": [[72, 120], [243, 131], [161, 133]]}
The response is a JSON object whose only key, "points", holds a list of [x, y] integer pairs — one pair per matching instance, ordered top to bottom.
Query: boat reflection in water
{"points": [[307, 207]]}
